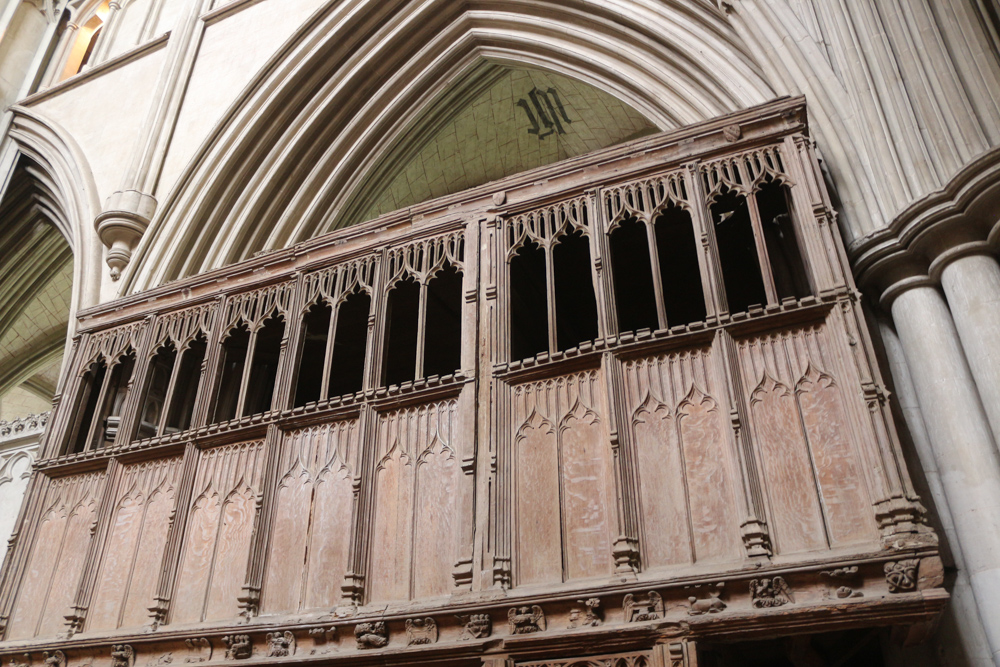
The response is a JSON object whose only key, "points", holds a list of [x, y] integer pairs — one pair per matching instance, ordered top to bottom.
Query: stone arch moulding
{"points": [[348, 85], [68, 194]]}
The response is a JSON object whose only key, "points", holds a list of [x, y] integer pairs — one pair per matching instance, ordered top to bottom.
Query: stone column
{"points": [[972, 285], [962, 439], [965, 625]]}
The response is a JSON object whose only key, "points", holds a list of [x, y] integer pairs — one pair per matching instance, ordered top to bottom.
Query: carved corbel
{"points": [[122, 224]]}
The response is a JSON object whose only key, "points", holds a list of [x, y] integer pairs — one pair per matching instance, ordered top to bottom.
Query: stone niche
{"points": [[615, 407]]}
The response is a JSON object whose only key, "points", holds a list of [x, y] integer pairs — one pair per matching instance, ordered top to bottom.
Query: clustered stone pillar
{"points": [[972, 285], [964, 447]]}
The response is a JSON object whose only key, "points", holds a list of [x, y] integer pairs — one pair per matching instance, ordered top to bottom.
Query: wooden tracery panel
{"points": [[562, 459], [686, 468], [814, 479], [418, 514], [311, 535], [217, 538], [133, 553], [52, 576]]}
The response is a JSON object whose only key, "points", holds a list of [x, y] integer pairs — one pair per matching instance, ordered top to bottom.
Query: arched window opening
{"points": [[85, 42], [90, 47], [783, 252], [738, 254], [680, 274], [635, 296], [575, 301], [528, 309], [402, 318], [443, 327], [350, 343], [234, 356], [312, 360], [264, 367], [161, 369], [91, 386], [181, 407], [105, 427]]}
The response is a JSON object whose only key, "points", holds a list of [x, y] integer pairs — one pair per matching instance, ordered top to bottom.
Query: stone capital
{"points": [[961, 219]]}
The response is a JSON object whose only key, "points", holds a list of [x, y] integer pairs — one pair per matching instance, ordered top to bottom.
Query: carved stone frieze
{"points": [[901, 575], [770, 592], [646, 608], [588, 613], [525, 620], [476, 626], [421, 631], [371, 635], [280, 644], [238, 647], [54, 658], [24, 661]]}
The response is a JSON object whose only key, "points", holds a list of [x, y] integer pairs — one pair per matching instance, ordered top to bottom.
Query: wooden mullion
{"points": [[762, 256], [654, 265], [712, 285], [550, 293], [421, 329], [331, 332], [211, 370], [247, 372], [168, 399], [99, 407]]}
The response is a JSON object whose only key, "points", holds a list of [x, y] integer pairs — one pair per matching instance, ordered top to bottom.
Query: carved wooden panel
{"points": [[686, 466], [814, 480], [564, 483], [417, 519], [311, 532], [217, 537], [133, 553], [52, 576]]}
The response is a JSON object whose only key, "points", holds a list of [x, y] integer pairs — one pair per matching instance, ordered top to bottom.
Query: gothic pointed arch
{"points": [[289, 158]]}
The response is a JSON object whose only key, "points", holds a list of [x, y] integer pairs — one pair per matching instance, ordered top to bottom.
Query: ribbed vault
{"points": [[323, 125], [36, 285]]}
